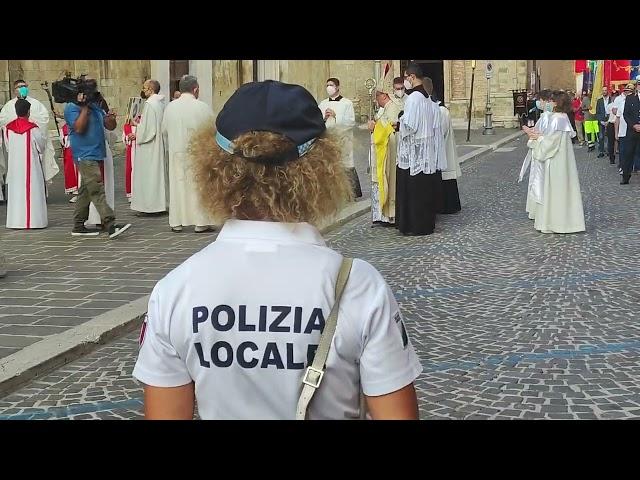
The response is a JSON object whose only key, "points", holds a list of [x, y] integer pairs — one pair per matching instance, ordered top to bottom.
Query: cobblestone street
{"points": [[508, 322]]}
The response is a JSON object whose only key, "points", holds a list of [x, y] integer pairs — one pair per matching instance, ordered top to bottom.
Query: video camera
{"points": [[67, 89]]}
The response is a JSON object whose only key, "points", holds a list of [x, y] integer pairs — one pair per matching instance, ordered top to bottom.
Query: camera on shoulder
{"points": [[67, 90]]}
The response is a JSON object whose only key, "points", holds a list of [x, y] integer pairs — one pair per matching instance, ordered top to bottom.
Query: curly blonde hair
{"points": [[305, 190]]}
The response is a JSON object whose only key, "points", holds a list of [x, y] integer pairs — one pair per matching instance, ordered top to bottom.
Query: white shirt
{"points": [[619, 104], [608, 110], [242, 318]]}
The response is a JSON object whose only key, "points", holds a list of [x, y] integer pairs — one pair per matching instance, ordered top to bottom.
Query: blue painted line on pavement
{"points": [[568, 280], [513, 358], [494, 360], [76, 409]]}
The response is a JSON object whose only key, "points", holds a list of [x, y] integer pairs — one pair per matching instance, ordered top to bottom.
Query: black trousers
{"points": [[611, 137], [631, 145]]}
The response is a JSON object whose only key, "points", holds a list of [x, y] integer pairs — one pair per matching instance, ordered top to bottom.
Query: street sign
{"points": [[489, 70]]}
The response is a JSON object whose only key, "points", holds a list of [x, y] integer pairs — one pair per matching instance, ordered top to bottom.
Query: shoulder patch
{"points": [[143, 330], [403, 330]]}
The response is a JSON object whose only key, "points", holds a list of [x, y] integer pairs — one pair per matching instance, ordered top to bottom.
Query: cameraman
{"points": [[87, 120]]}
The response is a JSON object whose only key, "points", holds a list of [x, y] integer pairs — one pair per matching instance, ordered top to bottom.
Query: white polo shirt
{"points": [[619, 104], [242, 318]]}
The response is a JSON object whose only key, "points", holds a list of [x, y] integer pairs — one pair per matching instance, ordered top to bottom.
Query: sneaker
{"points": [[600, 155], [619, 171], [73, 199], [203, 228], [176, 229], [116, 230], [84, 232]]}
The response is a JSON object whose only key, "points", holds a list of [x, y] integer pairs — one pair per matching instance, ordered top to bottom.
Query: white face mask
{"points": [[407, 84], [331, 90], [398, 93]]}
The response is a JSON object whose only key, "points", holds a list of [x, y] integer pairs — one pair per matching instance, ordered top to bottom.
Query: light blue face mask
{"points": [[23, 92], [539, 104], [548, 107]]}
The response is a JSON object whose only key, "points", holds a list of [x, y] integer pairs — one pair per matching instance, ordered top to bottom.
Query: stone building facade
{"points": [[121, 79]]}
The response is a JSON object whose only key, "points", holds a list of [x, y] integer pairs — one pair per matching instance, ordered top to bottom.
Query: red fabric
{"points": [[580, 66], [620, 70], [606, 78], [579, 116], [20, 125], [127, 164], [69, 167]]}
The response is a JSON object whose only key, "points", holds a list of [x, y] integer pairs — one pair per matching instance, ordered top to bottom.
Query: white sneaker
{"points": [[73, 199], [177, 229], [116, 230]]}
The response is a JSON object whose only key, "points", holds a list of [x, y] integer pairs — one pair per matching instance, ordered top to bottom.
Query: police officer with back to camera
{"points": [[267, 322]]}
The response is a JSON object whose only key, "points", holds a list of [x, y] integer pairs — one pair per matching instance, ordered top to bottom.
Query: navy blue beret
{"points": [[271, 106]]}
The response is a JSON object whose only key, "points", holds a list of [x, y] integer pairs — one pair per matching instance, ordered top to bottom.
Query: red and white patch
{"points": [[143, 331]]}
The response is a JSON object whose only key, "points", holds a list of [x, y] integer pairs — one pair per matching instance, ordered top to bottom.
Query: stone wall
{"points": [[508, 75], [117, 79]]}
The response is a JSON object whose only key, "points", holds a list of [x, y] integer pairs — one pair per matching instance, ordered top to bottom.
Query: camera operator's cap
{"points": [[630, 86], [271, 106]]}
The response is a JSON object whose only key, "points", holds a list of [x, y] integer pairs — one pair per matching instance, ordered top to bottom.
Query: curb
{"points": [[490, 148], [58, 350]]}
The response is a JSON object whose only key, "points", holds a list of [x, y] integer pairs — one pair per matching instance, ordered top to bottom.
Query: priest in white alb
{"points": [[40, 116], [340, 116], [182, 117], [383, 153], [421, 158], [3, 164], [536, 169], [149, 189], [27, 197], [450, 201], [560, 209]]}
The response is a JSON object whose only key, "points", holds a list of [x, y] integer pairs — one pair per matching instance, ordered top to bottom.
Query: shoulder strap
{"points": [[314, 373]]}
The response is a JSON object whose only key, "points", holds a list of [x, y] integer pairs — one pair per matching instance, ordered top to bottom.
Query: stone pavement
{"points": [[56, 282], [508, 322]]}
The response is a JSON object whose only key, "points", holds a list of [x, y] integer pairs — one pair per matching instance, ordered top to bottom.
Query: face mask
{"points": [[407, 84], [331, 90], [23, 92], [398, 93], [142, 94], [539, 105], [549, 107]]}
